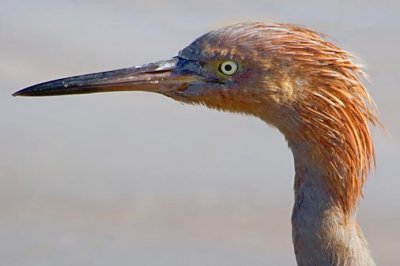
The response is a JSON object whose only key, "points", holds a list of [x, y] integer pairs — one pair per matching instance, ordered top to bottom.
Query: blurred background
{"points": [[138, 179]]}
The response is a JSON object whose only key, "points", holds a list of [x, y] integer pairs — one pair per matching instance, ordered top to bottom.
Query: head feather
{"points": [[307, 87], [335, 111]]}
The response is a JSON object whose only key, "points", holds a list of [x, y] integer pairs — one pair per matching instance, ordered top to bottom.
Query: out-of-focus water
{"points": [[137, 179]]}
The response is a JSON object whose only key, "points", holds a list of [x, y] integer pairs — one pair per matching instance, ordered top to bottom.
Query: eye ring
{"points": [[228, 68]]}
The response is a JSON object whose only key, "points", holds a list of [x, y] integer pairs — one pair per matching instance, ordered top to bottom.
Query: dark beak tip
{"points": [[26, 92], [20, 93]]}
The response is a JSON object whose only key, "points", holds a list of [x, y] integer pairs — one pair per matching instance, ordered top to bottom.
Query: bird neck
{"points": [[323, 233]]}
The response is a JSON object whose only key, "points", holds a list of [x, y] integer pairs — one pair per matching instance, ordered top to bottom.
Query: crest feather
{"points": [[336, 110]]}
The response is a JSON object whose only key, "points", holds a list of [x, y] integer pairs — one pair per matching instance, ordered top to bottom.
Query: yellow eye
{"points": [[228, 68]]}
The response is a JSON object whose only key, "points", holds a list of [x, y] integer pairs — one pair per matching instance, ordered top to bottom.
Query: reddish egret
{"points": [[293, 79]]}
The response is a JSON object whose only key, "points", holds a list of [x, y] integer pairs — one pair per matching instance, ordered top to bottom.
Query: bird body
{"points": [[295, 80]]}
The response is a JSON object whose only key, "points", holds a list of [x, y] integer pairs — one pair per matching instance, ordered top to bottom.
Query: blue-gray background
{"points": [[138, 179]]}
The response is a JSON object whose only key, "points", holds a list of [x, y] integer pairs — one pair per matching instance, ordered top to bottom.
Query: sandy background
{"points": [[138, 179]]}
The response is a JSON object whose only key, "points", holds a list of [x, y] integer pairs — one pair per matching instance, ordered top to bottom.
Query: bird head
{"points": [[236, 69], [287, 75]]}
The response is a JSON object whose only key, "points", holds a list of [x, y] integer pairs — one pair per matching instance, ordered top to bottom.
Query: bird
{"points": [[294, 79]]}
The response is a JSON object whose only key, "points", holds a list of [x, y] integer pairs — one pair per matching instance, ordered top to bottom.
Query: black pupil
{"points": [[228, 68]]}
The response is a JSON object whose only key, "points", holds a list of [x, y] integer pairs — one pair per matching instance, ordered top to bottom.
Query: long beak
{"points": [[159, 77]]}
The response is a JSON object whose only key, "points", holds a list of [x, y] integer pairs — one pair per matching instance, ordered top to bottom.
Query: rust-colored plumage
{"points": [[307, 77], [293, 79], [335, 110]]}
